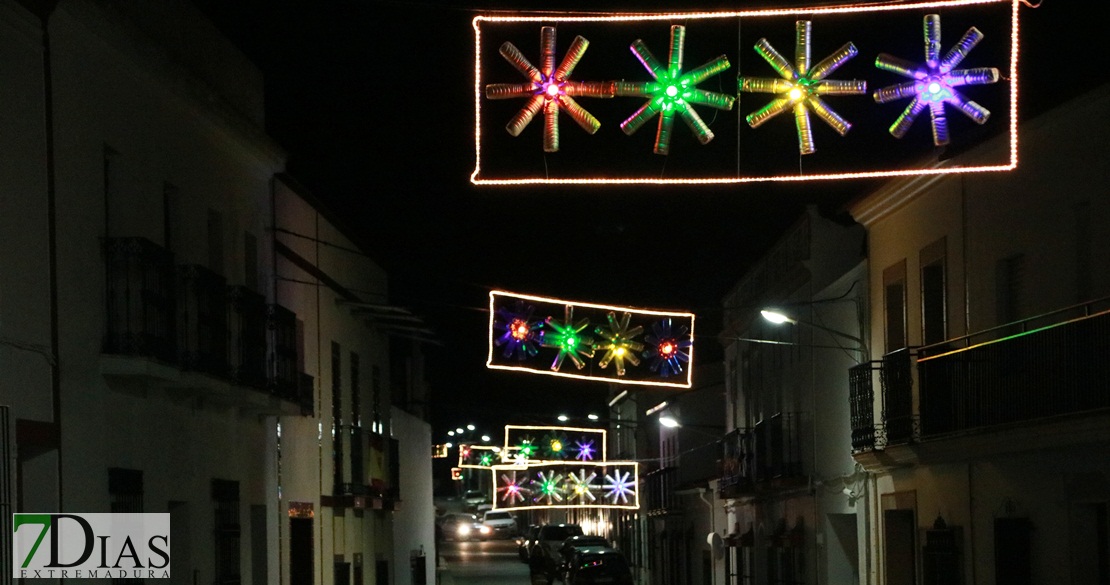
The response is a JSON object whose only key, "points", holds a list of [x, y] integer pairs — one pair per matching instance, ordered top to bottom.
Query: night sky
{"points": [[373, 102]]}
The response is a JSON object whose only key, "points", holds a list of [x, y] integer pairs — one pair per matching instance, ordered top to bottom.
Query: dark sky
{"points": [[373, 102]]}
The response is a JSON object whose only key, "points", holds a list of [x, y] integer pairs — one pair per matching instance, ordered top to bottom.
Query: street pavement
{"points": [[493, 562]]}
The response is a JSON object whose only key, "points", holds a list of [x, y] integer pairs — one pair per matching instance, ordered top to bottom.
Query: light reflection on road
{"points": [[494, 562]]}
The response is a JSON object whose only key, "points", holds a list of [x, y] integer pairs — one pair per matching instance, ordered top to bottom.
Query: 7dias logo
{"points": [[91, 546]]}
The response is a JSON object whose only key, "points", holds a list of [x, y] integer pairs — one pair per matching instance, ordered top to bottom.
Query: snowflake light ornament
{"points": [[934, 83], [802, 86], [549, 89], [673, 92], [521, 333], [568, 339], [618, 343], [666, 348], [584, 450], [618, 486], [581, 487], [548, 488], [511, 490]]}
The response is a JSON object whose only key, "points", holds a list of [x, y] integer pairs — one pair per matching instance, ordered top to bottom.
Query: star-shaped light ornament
{"points": [[933, 84], [801, 86], [549, 89], [673, 92], [521, 333], [568, 339], [618, 342], [667, 349], [555, 446], [584, 450], [525, 451], [486, 459], [581, 487], [618, 487], [548, 488], [511, 490]]}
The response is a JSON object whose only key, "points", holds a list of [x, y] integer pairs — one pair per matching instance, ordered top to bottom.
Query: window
{"points": [[215, 242], [250, 261], [1009, 281], [894, 305], [934, 305], [376, 389], [337, 418], [356, 426], [125, 495], [225, 503]]}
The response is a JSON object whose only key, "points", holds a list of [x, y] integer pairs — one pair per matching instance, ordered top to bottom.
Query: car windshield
{"points": [[498, 516], [561, 532]]}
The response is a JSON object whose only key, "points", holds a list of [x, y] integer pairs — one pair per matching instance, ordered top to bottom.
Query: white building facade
{"points": [[167, 333]]}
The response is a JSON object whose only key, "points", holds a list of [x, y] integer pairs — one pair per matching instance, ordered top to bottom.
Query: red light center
{"points": [[519, 330], [666, 348]]}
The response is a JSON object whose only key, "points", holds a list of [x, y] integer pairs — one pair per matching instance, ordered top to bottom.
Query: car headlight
{"points": [[464, 530], [484, 530]]}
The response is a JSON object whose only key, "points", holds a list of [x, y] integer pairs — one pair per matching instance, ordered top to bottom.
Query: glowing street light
{"points": [[592, 416], [563, 418], [669, 421], [470, 427], [450, 433], [485, 438]]}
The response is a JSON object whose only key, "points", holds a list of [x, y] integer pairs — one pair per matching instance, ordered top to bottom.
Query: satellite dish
{"points": [[716, 543]]}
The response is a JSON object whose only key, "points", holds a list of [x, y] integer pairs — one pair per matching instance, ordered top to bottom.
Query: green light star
{"points": [[673, 92], [568, 339]]}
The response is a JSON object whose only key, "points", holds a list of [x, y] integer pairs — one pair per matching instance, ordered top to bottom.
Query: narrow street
{"points": [[493, 562]]}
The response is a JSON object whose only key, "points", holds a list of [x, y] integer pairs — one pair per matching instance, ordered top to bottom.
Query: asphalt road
{"points": [[493, 562]]}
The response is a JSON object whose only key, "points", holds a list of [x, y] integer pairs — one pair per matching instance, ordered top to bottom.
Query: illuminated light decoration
{"points": [[933, 84], [802, 86], [548, 89], [673, 92], [484, 174], [522, 334], [568, 339], [619, 344], [667, 348], [516, 436], [555, 446], [584, 450], [464, 451], [478, 456], [485, 460], [548, 487], [581, 487], [618, 487], [511, 490]]}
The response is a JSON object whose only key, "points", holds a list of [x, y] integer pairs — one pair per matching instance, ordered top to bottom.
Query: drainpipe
{"points": [[44, 10], [713, 529]]}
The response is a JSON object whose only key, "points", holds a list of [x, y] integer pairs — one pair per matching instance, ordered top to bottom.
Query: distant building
{"points": [[787, 476]]}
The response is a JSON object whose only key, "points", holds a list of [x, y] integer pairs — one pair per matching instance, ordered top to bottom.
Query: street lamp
{"points": [[778, 318], [592, 416], [563, 418], [669, 421]]}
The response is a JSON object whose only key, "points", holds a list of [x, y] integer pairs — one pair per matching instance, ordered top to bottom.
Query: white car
{"points": [[474, 498], [501, 524]]}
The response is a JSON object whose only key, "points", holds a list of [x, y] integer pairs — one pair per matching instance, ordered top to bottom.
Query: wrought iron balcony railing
{"points": [[140, 295], [202, 320], [247, 320], [1051, 365], [897, 423], [758, 458]]}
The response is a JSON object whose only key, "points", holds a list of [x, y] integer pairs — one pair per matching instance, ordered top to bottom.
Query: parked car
{"points": [[474, 498], [501, 524], [462, 527], [524, 541], [574, 543], [544, 558], [593, 565]]}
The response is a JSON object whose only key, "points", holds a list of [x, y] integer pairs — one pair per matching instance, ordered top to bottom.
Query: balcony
{"points": [[184, 331], [1028, 371], [1033, 383], [897, 424], [763, 459], [660, 485]]}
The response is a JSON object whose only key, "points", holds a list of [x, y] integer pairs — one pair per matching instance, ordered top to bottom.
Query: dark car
{"points": [[524, 543], [574, 543], [544, 558], [596, 565]]}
